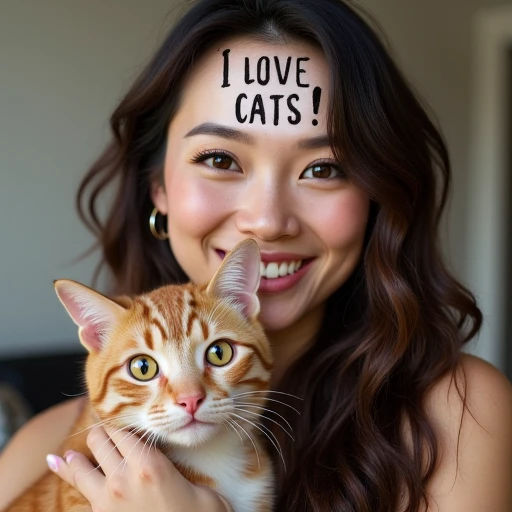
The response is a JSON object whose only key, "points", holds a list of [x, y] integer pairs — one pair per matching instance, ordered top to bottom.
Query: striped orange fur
{"points": [[182, 329]]}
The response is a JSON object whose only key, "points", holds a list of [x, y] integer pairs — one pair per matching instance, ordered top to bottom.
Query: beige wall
{"points": [[433, 41], [63, 64]]}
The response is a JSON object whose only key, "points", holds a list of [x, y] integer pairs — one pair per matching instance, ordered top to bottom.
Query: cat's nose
{"points": [[190, 402]]}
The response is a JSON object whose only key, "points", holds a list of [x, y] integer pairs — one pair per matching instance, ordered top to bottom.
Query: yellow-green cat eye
{"points": [[219, 353], [143, 367]]}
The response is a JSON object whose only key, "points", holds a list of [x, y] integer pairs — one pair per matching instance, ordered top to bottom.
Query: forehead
{"points": [[258, 87]]}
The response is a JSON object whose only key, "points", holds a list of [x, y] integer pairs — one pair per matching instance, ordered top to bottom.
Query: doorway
{"points": [[508, 233], [489, 250]]}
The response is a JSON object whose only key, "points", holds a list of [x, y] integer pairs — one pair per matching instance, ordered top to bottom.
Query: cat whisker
{"points": [[269, 391], [71, 396], [219, 402], [279, 402], [221, 408], [266, 409], [269, 419], [103, 422], [227, 422], [260, 428], [118, 430], [151, 434], [150, 438], [250, 439], [154, 440], [134, 446], [113, 448], [123, 460], [98, 466]]}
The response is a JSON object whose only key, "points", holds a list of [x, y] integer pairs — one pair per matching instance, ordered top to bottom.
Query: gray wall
{"points": [[63, 65]]}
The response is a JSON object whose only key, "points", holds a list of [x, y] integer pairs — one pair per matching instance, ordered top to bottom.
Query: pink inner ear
{"points": [[249, 302], [72, 307], [94, 314], [90, 337]]}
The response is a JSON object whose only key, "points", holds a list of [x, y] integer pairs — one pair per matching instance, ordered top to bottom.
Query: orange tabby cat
{"points": [[164, 358]]}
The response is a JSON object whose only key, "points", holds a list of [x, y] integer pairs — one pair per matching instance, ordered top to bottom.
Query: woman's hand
{"points": [[134, 478]]}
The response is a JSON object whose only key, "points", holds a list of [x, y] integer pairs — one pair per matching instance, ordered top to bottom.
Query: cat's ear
{"points": [[238, 278], [95, 314]]}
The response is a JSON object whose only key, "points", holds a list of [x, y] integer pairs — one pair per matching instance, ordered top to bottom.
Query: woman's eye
{"points": [[219, 161], [322, 171]]}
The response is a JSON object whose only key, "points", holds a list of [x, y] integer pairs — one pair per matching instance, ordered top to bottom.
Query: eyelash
{"points": [[201, 156]]}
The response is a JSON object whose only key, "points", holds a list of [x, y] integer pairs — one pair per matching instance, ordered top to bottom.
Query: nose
{"points": [[267, 212], [190, 402]]}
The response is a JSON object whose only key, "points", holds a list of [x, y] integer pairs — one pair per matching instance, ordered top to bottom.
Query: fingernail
{"points": [[69, 456], [53, 462]]}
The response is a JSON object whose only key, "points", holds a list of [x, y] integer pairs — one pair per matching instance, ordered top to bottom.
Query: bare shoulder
{"points": [[24, 459], [474, 472]]}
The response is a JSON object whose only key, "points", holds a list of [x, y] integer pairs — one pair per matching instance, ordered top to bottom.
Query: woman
{"points": [[286, 121]]}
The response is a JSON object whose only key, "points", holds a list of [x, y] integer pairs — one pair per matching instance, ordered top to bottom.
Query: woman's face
{"points": [[252, 160]]}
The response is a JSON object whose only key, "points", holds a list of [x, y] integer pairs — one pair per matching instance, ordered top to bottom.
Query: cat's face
{"points": [[181, 364], [177, 365]]}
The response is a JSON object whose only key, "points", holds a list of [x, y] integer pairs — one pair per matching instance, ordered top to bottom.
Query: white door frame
{"points": [[488, 179]]}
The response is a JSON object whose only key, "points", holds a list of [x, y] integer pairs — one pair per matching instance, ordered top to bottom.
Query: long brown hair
{"points": [[396, 326]]}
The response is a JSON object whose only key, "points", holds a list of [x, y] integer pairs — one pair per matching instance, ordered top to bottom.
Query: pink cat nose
{"points": [[190, 402]]}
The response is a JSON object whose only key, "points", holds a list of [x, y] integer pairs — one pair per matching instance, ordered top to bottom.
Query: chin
{"points": [[276, 317], [193, 435]]}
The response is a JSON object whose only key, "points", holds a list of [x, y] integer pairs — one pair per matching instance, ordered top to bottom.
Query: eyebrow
{"points": [[221, 131], [225, 132], [321, 141]]}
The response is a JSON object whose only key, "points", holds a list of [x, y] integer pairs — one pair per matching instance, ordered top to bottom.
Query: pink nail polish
{"points": [[53, 462]]}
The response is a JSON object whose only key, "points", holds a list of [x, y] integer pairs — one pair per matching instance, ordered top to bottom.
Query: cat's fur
{"points": [[175, 325]]}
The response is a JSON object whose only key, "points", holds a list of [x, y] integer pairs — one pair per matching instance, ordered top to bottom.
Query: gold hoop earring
{"points": [[162, 235]]}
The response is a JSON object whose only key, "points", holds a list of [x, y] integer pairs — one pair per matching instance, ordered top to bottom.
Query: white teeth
{"points": [[273, 269]]}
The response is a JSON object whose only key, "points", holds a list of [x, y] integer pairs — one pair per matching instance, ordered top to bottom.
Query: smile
{"points": [[273, 270], [279, 271]]}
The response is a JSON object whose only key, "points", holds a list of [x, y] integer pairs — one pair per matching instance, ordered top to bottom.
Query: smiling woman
{"points": [[287, 122], [281, 185]]}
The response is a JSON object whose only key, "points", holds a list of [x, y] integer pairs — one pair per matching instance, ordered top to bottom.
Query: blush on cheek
{"points": [[198, 206], [346, 223]]}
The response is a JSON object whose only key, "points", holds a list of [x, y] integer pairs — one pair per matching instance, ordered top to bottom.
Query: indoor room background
{"points": [[63, 66]]}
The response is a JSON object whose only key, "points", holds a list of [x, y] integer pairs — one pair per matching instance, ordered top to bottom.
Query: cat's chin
{"points": [[194, 433]]}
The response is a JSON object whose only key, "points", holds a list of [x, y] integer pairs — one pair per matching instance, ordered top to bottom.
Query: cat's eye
{"points": [[219, 353], [143, 367]]}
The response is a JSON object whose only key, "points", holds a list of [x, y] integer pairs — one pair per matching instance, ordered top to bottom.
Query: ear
{"points": [[159, 196], [238, 278], [95, 314]]}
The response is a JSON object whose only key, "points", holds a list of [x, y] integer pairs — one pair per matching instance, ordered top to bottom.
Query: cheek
{"points": [[196, 205], [342, 224]]}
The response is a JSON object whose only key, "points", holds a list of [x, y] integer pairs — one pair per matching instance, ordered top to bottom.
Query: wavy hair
{"points": [[363, 441]]}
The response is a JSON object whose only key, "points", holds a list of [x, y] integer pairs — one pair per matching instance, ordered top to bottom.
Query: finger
{"points": [[128, 444], [104, 450], [151, 465], [77, 470]]}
